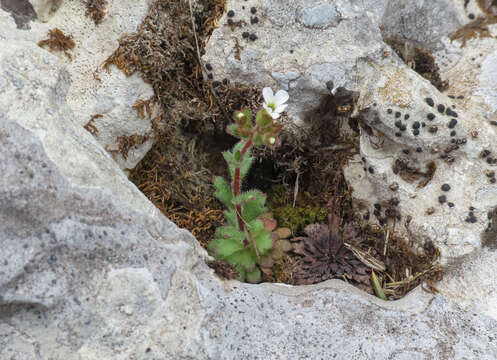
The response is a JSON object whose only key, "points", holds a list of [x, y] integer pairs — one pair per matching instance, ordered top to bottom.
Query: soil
{"points": [[191, 114]]}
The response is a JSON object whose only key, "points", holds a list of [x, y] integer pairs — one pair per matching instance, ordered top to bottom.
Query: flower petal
{"points": [[268, 94], [281, 97], [267, 108], [280, 108], [275, 115]]}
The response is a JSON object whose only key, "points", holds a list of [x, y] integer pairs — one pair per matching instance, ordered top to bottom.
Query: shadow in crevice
{"points": [[21, 10]]}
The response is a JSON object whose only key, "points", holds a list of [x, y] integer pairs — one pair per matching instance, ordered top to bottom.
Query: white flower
{"points": [[274, 104]]}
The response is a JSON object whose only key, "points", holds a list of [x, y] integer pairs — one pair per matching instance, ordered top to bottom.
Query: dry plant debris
{"points": [[95, 9], [478, 28], [58, 41], [90, 126]]}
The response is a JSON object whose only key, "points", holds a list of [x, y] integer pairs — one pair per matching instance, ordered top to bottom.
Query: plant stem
{"points": [[236, 184]]}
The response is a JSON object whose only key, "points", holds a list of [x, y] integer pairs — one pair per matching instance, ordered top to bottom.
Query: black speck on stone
{"points": [[253, 10], [231, 13], [471, 16], [254, 20], [230, 22], [245, 34], [253, 37], [291, 51], [202, 52], [208, 66], [209, 75], [225, 81], [216, 83], [452, 96], [460, 97], [430, 101], [441, 108], [389, 111], [451, 112], [398, 114], [406, 116], [430, 116], [452, 123], [494, 123], [398, 124], [423, 124], [416, 125], [403, 127], [415, 132], [453, 133], [398, 134], [418, 149], [405, 151], [485, 153], [363, 159], [490, 160], [371, 170], [445, 187], [442, 199], [451, 204], [377, 206], [471, 208], [471, 213], [471, 219], [53, 258], [76, 300], [148, 350]]}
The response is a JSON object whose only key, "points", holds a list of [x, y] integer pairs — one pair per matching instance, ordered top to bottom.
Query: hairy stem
{"points": [[236, 185]]}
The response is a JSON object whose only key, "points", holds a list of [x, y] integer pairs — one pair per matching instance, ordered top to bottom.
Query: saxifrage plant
{"points": [[244, 241]]}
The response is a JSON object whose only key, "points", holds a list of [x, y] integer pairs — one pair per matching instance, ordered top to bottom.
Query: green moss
{"points": [[296, 218]]}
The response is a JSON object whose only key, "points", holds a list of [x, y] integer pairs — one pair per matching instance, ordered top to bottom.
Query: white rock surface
{"points": [[94, 90]]}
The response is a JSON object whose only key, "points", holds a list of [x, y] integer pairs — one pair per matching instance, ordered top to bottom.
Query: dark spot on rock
{"points": [[253, 10], [231, 13], [471, 16], [254, 20], [230, 22], [245, 35], [253, 37], [208, 66], [209, 75], [225, 81], [216, 84], [460, 97], [429, 101], [441, 108], [389, 111], [451, 112], [398, 114], [406, 116], [430, 116], [398, 123], [452, 123], [494, 123], [416, 125], [403, 127], [433, 129], [415, 132], [453, 133], [398, 134], [418, 149], [405, 151], [485, 153], [371, 170], [445, 187], [442, 199], [451, 204], [377, 206], [471, 219]]}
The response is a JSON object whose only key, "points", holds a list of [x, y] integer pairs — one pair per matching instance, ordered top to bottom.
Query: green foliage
{"points": [[296, 218], [244, 240]]}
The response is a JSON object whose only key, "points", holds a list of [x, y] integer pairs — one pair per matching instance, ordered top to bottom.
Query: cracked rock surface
{"points": [[89, 269]]}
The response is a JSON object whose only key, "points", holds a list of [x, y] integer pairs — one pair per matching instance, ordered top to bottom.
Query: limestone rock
{"points": [[105, 97]]}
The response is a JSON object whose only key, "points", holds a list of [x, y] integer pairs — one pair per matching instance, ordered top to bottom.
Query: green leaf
{"points": [[263, 119], [248, 160], [223, 191], [251, 195], [252, 210], [230, 215], [231, 232], [262, 237], [222, 248], [244, 258], [241, 273], [254, 276]]}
